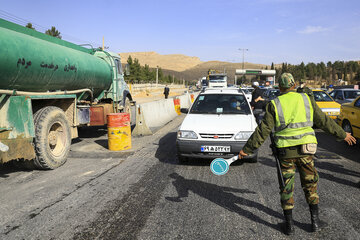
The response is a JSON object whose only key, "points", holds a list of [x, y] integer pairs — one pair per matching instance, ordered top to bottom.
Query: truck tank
{"points": [[35, 62]]}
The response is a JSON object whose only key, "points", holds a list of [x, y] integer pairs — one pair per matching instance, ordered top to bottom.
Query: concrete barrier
{"points": [[185, 101], [158, 113], [152, 115], [141, 129]]}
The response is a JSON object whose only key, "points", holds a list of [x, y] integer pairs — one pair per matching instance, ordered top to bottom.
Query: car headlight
{"points": [[186, 134], [243, 135]]}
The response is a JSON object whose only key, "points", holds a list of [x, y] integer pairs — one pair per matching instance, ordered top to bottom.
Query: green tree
{"points": [[29, 25], [53, 32], [272, 66], [136, 70]]}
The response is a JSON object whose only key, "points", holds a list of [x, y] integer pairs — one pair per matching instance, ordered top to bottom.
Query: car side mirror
{"points": [[127, 69], [184, 110]]}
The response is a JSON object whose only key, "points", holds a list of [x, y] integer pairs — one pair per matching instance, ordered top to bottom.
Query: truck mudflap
{"points": [[16, 128], [18, 148]]}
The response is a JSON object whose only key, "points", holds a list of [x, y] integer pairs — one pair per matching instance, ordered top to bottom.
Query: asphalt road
{"points": [[146, 194]]}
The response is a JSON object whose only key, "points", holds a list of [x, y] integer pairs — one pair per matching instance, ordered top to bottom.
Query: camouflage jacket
{"points": [[321, 120]]}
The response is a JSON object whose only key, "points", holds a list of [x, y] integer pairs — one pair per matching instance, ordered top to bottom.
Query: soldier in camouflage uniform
{"points": [[292, 115]]}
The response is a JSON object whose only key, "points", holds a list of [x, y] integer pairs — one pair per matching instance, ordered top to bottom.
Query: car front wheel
{"points": [[347, 127]]}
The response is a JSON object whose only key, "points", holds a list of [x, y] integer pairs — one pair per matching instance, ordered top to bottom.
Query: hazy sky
{"points": [[273, 30]]}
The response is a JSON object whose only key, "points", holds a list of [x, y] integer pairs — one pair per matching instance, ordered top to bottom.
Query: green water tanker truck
{"points": [[48, 88]]}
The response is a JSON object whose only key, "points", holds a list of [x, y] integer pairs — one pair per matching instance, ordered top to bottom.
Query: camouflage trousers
{"points": [[309, 179]]}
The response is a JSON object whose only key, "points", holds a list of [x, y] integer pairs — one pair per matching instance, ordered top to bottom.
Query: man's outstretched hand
{"points": [[350, 139], [242, 154]]}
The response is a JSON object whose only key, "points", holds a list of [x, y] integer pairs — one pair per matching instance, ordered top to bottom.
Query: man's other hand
{"points": [[350, 139], [242, 154]]}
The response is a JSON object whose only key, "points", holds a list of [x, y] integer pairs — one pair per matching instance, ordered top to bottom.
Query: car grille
{"points": [[216, 136]]}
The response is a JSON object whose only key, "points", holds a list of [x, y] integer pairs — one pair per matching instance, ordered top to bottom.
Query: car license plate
{"points": [[215, 148]]}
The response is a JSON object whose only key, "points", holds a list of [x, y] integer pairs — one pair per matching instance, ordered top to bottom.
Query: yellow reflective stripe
{"points": [[307, 107], [280, 114], [296, 125], [277, 137]]}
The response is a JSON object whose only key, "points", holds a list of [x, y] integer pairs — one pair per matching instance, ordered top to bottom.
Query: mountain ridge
{"points": [[186, 67]]}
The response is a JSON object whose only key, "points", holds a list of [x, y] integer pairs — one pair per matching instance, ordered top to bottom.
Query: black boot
{"points": [[289, 223], [316, 223]]}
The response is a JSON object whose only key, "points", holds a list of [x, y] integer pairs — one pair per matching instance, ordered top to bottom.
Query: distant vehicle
{"points": [[218, 80], [204, 83], [250, 89], [247, 93], [271, 93], [345, 95], [326, 103], [349, 117], [218, 124]]}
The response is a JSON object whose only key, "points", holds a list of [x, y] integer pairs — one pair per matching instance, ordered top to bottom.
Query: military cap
{"points": [[286, 80]]}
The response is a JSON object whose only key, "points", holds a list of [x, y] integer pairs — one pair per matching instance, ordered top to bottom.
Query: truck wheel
{"points": [[127, 106], [127, 109], [347, 127], [52, 138]]}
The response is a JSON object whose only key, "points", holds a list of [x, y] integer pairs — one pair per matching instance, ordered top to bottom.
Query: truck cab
{"points": [[217, 80]]}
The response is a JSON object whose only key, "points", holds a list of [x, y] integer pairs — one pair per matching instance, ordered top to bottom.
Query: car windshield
{"points": [[216, 78], [351, 94], [321, 96], [221, 104]]}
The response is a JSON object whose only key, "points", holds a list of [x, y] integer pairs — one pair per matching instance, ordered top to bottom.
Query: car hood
{"points": [[328, 104], [218, 123]]}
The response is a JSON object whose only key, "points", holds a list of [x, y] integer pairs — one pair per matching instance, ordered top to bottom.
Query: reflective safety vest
{"points": [[294, 120]]}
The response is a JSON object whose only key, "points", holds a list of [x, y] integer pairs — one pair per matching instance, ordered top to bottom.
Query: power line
{"points": [[21, 21]]}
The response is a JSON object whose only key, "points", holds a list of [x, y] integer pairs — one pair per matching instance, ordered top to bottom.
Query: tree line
{"points": [[51, 32], [322, 73], [145, 74]]}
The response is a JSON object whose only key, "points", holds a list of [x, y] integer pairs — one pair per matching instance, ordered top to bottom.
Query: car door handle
{"points": [[352, 113]]}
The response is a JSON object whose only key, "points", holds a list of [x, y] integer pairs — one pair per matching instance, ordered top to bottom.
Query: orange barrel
{"points": [[192, 98], [177, 105], [119, 131]]}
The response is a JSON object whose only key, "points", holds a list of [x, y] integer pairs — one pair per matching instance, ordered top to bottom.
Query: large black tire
{"points": [[52, 138], [29, 164]]}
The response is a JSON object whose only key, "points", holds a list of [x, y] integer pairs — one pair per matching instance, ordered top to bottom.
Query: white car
{"points": [[248, 93], [218, 124]]}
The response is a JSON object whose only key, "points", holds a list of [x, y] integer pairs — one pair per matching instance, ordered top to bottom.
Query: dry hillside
{"points": [[175, 62], [185, 67]]}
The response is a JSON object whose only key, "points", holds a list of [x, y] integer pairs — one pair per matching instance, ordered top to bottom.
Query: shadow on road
{"points": [[329, 143], [166, 152], [326, 166], [11, 167], [224, 197]]}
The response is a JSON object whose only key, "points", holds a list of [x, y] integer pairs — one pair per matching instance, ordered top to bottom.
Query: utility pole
{"points": [[103, 44], [243, 55]]}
